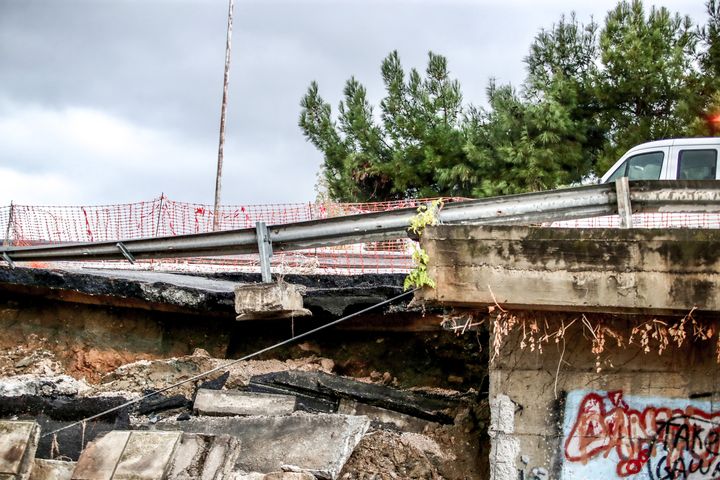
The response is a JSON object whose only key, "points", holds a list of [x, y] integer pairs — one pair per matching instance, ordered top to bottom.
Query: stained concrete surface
{"points": [[651, 271], [333, 295], [269, 301], [228, 402], [18, 442], [269, 443], [52, 470]]}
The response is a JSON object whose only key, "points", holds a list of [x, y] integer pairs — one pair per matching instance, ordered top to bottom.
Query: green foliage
{"points": [[647, 72], [592, 91], [408, 152], [418, 276]]}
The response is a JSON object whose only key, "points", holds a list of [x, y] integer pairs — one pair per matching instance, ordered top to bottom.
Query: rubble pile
{"points": [[264, 419]]}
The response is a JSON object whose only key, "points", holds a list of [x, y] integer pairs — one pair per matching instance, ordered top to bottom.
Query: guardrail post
{"points": [[622, 188], [157, 225], [6, 240], [265, 251]]}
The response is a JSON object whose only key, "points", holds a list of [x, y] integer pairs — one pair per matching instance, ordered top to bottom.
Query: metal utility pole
{"points": [[223, 113]]}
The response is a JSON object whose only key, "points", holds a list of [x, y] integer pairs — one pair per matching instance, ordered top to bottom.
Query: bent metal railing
{"points": [[622, 198]]}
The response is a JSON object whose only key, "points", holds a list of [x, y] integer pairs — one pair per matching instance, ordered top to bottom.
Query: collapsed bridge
{"points": [[578, 325]]}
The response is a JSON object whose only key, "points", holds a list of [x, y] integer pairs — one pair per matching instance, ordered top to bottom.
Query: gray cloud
{"points": [[145, 78]]}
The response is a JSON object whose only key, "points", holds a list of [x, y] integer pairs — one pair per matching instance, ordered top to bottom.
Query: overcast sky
{"points": [[108, 101]]}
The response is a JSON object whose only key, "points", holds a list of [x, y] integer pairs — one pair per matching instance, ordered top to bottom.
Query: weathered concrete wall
{"points": [[640, 270], [643, 416]]}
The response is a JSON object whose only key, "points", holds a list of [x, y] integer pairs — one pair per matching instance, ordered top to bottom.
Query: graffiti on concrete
{"points": [[607, 435]]}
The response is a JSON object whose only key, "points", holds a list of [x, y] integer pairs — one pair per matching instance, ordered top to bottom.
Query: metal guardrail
{"points": [[554, 205]]}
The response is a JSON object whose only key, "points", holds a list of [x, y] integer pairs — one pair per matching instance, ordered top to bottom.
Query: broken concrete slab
{"points": [[124, 288], [210, 294], [269, 300], [39, 385], [330, 387], [233, 402], [305, 403], [55, 412], [383, 417], [18, 442], [270, 443], [146, 456], [204, 457], [99, 459], [51, 470], [247, 476], [273, 476], [289, 476]]}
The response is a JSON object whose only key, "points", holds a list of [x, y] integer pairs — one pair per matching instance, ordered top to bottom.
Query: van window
{"points": [[697, 165], [645, 166]]}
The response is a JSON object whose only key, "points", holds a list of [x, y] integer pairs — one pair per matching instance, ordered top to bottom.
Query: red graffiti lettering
{"points": [[607, 424]]}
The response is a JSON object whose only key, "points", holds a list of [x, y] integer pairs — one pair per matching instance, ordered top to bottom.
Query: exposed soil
{"points": [[117, 353], [382, 455]]}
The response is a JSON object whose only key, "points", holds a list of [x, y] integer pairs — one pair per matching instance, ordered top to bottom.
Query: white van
{"points": [[675, 159]]}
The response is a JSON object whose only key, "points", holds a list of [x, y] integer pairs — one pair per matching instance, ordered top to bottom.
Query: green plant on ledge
{"points": [[419, 276]]}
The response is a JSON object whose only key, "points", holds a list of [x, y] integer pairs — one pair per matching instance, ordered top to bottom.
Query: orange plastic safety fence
{"points": [[31, 225]]}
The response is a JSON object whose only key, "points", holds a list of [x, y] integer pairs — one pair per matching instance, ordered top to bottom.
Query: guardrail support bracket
{"points": [[622, 188], [265, 251], [126, 253], [9, 261]]}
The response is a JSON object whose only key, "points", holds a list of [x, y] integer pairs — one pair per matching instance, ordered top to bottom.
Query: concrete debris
{"points": [[269, 300], [145, 375], [42, 386], [334, 388], [219, 402], [383, 417], [18, 442], [270, 443], [382, 454], [158, 455], [146, 456], [204, 457], [99, 459], [52, 470], [273, 476], [289, 476]]}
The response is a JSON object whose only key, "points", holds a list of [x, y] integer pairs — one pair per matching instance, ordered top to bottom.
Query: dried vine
{"points": [[652, 335]]}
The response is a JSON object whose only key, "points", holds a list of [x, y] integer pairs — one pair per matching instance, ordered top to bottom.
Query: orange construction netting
{"points": [[23, 225]]}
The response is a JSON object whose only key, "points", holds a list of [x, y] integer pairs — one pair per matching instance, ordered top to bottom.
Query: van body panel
{"points": [[696, 163]]}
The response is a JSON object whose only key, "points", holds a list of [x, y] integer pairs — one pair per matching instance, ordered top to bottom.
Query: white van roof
{"points": [[672, 142]]}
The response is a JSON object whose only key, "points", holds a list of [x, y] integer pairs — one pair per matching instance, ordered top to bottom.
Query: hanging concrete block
{"points": [[269, 300], [18, 443]]}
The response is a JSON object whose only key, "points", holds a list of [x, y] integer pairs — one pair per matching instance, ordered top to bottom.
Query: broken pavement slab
{"points": [[269, 300], [333, 388], [233, 402], [382, 416], [18, 442], [318, 444], [158, 455], [146, 456], [100, 457], [204, 457], [52, 470]]}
